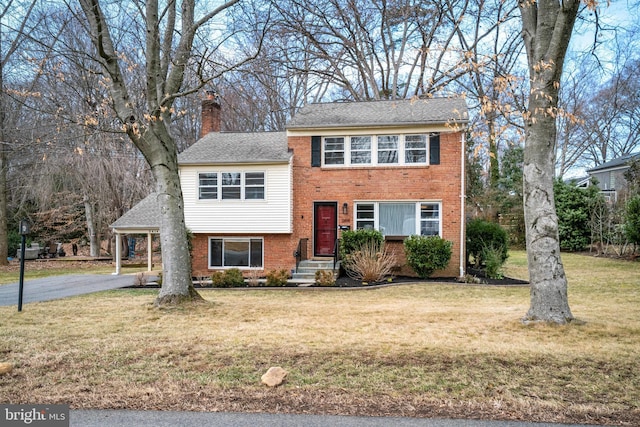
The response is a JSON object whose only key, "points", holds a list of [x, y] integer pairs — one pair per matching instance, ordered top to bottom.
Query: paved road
{"points": [[56, 287], [119, 418]]}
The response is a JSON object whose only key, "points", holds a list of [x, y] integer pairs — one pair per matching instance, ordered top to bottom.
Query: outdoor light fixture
{"points": [[345, 208]]}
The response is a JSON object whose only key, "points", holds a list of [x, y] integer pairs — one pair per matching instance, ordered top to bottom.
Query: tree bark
{"points": [[546, 28], [94, 241]]}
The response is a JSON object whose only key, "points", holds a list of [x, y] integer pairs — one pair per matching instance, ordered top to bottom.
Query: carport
{"points": [[142, 219]]}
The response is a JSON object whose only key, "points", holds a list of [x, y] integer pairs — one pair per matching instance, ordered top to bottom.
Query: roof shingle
{"points": [[381, 113], [222, 148], [144, 215]]}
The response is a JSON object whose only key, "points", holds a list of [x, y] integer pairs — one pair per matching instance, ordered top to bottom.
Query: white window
{"points": [[388, 149], [415, 149], [360, 150], [379, 150], [334, 151], [208, 185], [254, 185], [231, 186], [400, 218], [430, 219], [235, 252]]}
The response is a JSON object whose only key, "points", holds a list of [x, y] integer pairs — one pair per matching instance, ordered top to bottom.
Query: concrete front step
{"points": [[306, 273]]}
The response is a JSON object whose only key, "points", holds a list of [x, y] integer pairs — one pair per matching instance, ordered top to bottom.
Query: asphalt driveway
{"points": [[56, 287]]}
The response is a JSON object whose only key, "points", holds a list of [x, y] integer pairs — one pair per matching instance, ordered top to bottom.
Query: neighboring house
{"points": [[610, 175], [257, 201]]}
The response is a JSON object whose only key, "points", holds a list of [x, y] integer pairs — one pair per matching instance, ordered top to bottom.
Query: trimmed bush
{"points": [[483, 236], [353, 240], [426, 254], [277, 277], [231, 278], [325, 278]]}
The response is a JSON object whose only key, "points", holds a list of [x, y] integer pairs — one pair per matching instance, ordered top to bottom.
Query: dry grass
{"points": [[413, 350]]}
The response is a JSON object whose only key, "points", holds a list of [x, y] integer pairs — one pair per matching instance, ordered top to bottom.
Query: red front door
{"points": [[325, 228]]}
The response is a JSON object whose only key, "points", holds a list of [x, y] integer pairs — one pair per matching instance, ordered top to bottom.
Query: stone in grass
{"points": [[5, 368], [274, 376]]}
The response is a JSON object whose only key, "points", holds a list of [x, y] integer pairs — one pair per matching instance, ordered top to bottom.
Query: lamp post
{"points": [[24, 230]]}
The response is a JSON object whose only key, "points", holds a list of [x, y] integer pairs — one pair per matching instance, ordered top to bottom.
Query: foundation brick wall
{"points": [[278, 253]]}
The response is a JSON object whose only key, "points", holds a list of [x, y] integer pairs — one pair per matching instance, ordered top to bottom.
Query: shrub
{"points": [[574, 207], [632, 220], [483, 236], [353, 240], [426, 254], [493, 262], [370, 263], [277, 277], [231, 278], [234, 278], [325, 278], [217, 279]]}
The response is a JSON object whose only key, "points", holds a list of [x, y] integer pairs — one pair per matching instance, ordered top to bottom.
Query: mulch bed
{"points": [[344, 281]]}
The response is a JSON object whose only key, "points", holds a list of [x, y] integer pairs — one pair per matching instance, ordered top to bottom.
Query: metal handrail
{"points": [[301, 252], [336, 253]]}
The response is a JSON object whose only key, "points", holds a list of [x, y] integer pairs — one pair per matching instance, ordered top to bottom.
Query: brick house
{"points": [[257, 200]]}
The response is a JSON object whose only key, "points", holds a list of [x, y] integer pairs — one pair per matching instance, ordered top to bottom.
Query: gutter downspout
{"points": [[462, 205]]}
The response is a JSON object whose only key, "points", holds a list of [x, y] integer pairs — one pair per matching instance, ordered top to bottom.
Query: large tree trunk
{"points": [[546, 28], [177, 285], [549, 300]]}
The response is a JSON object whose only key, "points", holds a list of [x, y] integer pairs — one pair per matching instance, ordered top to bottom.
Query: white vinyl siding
{"points": [[249, 214]]}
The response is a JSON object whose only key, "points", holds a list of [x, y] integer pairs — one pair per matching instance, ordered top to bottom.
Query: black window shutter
{"points": [[434, 149], [316, 159]]}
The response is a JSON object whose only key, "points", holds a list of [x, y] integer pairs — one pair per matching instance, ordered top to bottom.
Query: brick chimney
{"points": [[210, 113]]}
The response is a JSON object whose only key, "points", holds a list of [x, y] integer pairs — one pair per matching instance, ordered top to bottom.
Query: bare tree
{"points": [[14, 33], [168, 42], [375, 49]]}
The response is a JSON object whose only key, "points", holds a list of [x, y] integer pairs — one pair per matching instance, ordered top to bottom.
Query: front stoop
{"points": [[306, 274]]}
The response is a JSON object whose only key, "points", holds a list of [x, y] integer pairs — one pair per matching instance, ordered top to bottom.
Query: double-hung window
{"points": [[388, 149], [415, 149], [360, 150], [377, 150], [334, 151], [254, 185], [208, 186], [231, 186], [400, 218], [235, 253]]}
